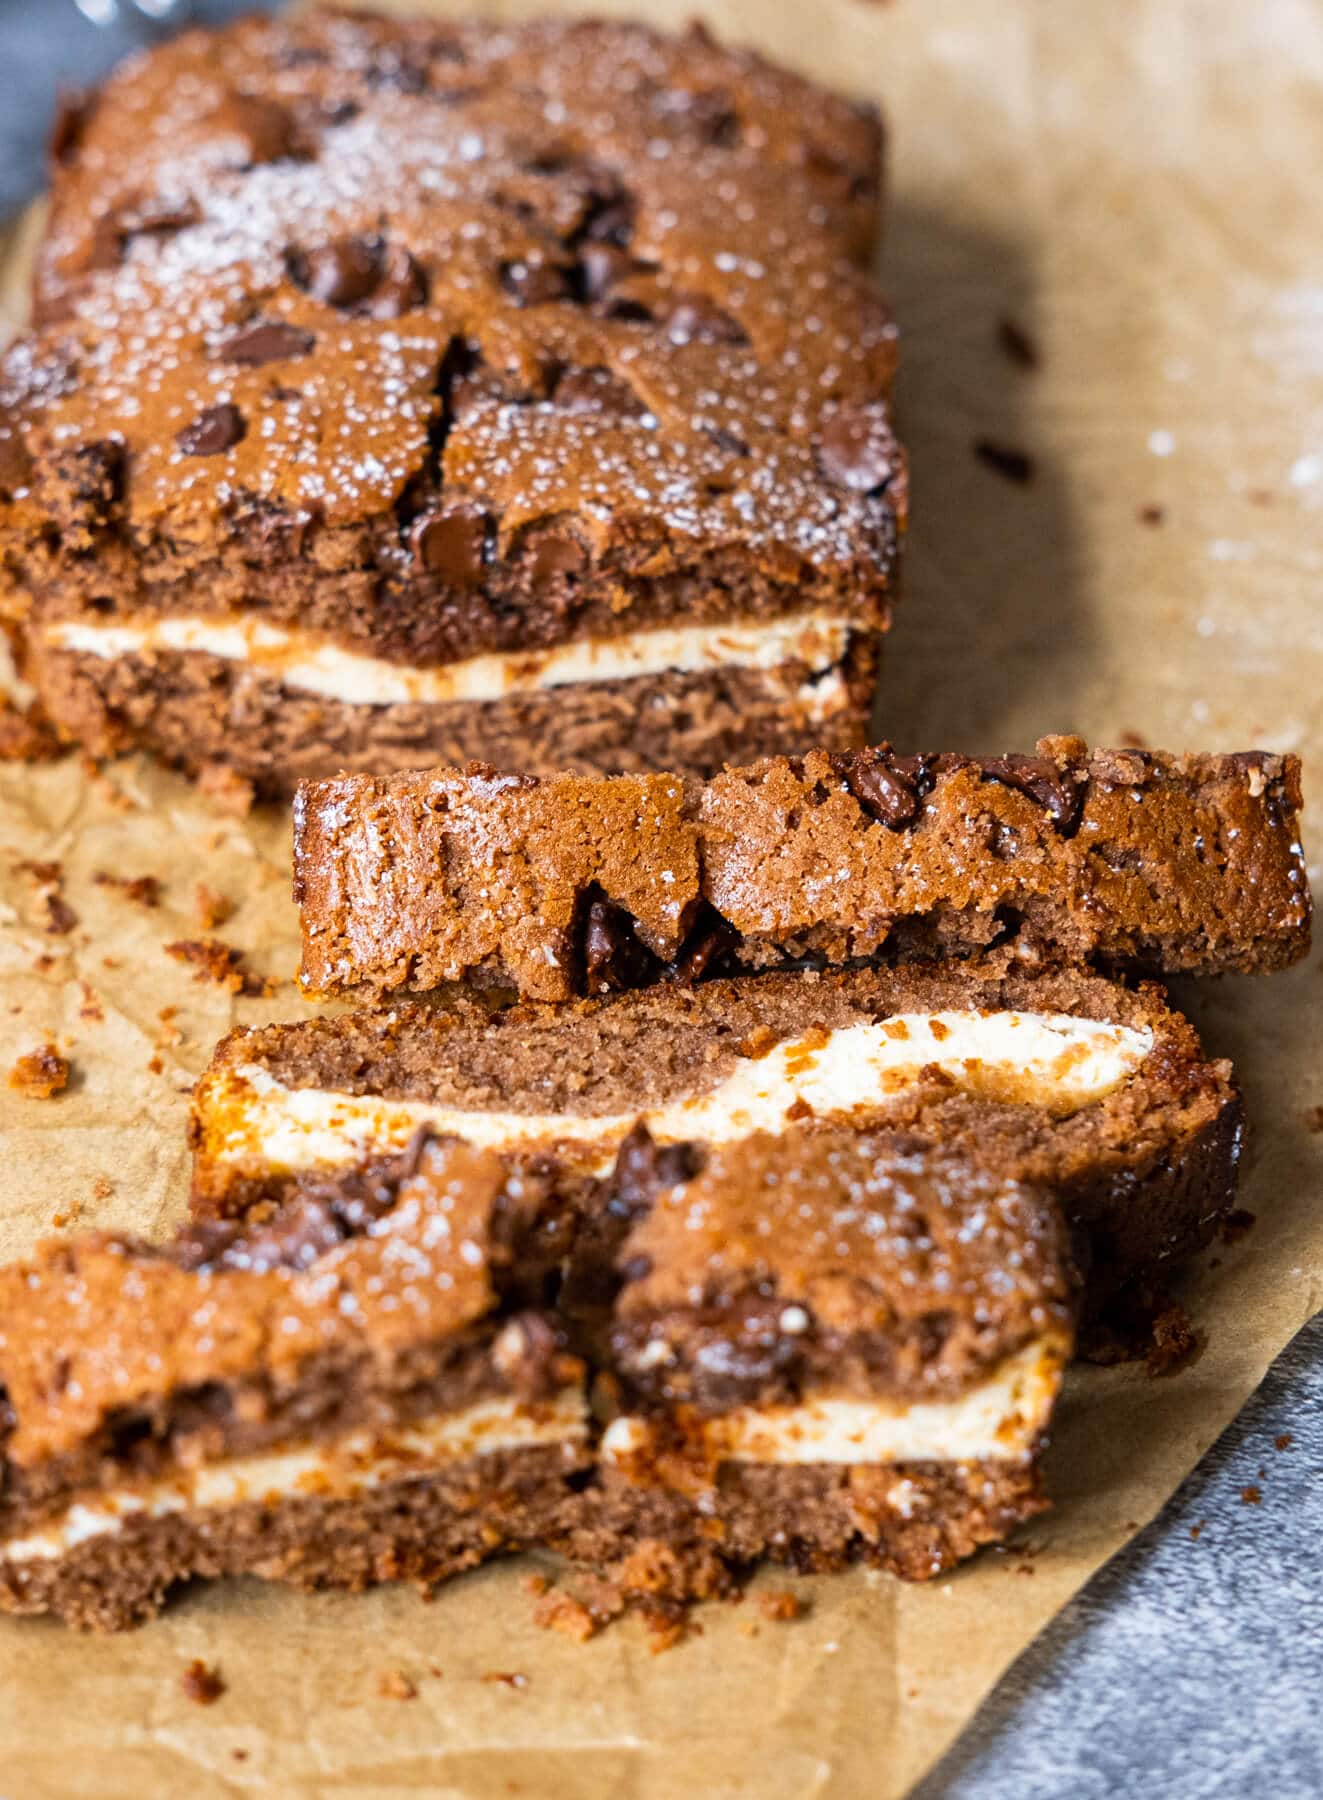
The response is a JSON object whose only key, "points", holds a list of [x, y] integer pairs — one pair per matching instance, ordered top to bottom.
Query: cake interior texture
{"points": [[403, 391]]}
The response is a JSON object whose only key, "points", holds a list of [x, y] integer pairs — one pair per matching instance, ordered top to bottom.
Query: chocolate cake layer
{"points": [[365, 348], [198, 710], [571, 885], [1067, 1080], [366, 1386]]}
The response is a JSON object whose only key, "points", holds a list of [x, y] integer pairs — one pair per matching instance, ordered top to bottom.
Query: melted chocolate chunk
{"points": [[265, 130], [339, 274], [535, 283], [401, 286], [694, 319], [265, 341], [213, 432], [857, 450], [450, 544], [557, 555], [882, 790], [1056, 790], [710, 940], [613, 958], [643, 1167]]}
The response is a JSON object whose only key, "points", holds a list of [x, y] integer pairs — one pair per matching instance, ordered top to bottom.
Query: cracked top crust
{"points": [[407, 300]]}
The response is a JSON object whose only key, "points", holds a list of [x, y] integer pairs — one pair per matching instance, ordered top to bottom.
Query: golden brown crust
{"points": [[1128, 858]]}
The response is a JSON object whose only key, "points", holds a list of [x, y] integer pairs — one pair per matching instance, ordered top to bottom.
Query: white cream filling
{"points": [[303, 661], [1048, 1059], [998, 1421], [337, 1471]]}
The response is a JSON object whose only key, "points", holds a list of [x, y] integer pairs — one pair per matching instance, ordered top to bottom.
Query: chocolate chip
{"points": [[71, 114], [707, 114], [266, 130], [159, 218], [610, 221], [106, 246], [340, 273], [535, 283], [401, 286], [694, 319], [265, 341], [1017, 344], [597, 390], [213, 432], [729, 441], [857, 449], [1015, 465], [450, 544], [556, 555], [1056, 790], [883, 793], [711, 938], [613, 958], [642, 1168], [524, 1351]]}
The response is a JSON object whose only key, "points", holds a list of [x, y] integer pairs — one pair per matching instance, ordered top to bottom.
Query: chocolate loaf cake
{"points": [[403, 392], [566, 886], [1096, 1092], [821, 1350], [378, 1381], [367, 1388]]}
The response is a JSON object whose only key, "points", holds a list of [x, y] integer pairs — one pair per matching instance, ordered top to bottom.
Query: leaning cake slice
{"points": [[573, 885], [1097, 1091], [823, 1349], [367, 1387]]}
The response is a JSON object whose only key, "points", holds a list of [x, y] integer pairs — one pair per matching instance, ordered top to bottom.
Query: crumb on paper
{"points": [[1017, 344], [1005, 460], [1152, 514], [1132, 740], [227, 791], [49, 878], [143, 890], [210, 908], [219, 963], [91, 1008], [168, 1035], [39, 1074], [1314, 1118], [102, 1187], [1236, 1224], [1174, 1343], [1283, 1440], [1251, 1495], [1196, 1530], [536, 1585], [780, 1605], [560, 1612], [506, 1678], [202, 1683], [394, 1684]]}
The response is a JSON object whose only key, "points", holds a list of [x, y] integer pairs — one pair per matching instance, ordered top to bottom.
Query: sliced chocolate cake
{"points": [[573, 885], [1067, 1080], [823, 1349], [368, 1387]]}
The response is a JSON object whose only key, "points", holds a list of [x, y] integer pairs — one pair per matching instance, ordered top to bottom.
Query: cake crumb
{"points": [[1017, 344], [1005, 460], [1152, 514], [25, 734], [227, 791], [49, 878], [143, 890], [210, 908], [219, 963], [91, 1008], [40, 1073], [1314, 1118], [102, 1187], [1236, 1224], [1174, 1343], [1283, 1440], [1251, 1495], [1196, 1530], [536, 1585], [780, 1606], [562, 1612], [506, 1678], [202, 1683], [394, 1684]]}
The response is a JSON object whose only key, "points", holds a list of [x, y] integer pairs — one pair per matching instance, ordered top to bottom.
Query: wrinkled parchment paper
{"points": [[1136, 187]]}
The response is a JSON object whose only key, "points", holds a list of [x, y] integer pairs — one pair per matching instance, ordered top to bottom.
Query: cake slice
{"points": [[402, 391], [572, 885], [1095, 1091], [823, 1349], [367, 1387]]}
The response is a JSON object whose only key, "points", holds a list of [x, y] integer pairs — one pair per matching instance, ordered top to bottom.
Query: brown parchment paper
{"points": [[1136, 186]]}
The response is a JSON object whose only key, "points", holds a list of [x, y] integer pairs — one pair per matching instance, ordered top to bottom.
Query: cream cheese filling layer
{"points": [[303, 661], [1047, 1059], [1000, 1420], [336, 1470]]}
